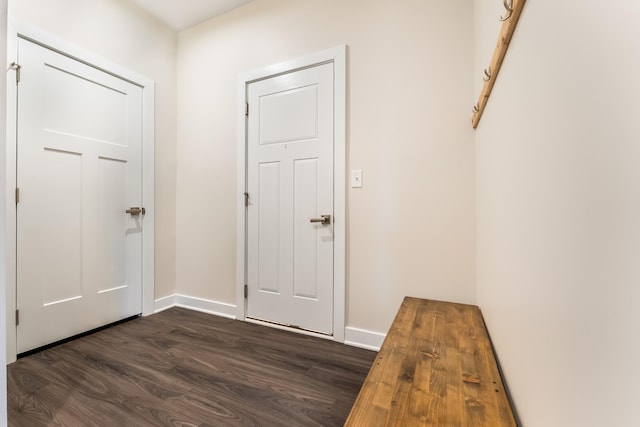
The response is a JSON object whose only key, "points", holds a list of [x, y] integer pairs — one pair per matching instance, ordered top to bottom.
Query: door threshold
{"points": [[295, 329]]}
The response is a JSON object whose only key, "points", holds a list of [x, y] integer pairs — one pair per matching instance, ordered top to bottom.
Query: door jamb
{"points": [[18, 30], [337, 56]]}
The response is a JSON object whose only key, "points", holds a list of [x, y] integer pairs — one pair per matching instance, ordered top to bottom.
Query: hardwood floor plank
{"points": [[184, 368]]}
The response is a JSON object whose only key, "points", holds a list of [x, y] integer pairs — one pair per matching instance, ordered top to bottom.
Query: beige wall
{"points": [[122, 34], [410, 89], [555, 170], [558, 213]]}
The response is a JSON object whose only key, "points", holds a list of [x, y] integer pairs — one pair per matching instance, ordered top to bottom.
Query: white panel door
{"points": [[79, 168], [290, 182]]}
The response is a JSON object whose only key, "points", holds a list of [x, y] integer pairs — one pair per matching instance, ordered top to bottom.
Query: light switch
{"points": [[356, 179]]}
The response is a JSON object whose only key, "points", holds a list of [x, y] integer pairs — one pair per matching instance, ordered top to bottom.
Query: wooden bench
{"points": [[436, 367]]}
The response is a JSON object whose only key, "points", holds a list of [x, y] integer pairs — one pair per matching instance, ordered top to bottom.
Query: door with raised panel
{"points": [[290, 160], [79, 169]]}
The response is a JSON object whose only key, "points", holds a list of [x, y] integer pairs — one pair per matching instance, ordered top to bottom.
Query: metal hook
{"points": [[508, 5], [487, 74], [476, 109]]}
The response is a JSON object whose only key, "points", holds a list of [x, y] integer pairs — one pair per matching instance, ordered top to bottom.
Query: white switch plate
{"points": [[356, 179]]}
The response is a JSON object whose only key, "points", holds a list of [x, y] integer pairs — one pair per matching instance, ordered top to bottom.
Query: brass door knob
{"points": [[135, 211], [324, 219]]}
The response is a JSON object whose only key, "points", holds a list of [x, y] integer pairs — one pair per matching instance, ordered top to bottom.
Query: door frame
{"points": [[21, 30], [337, 56]]}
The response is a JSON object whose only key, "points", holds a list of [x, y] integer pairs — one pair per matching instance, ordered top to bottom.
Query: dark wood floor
{"points": [[184, 368]]}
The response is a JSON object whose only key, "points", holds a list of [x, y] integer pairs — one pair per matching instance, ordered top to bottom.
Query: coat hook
{"points": [[508, 5], [487, 74], [475, 109]]}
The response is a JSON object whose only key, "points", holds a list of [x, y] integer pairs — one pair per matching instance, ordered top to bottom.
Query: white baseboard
{"points": [[164, 303], [198, 304], [353, 336], [363, 339]]}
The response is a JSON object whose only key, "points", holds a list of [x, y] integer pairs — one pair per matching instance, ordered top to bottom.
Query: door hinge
{"points": [[16, 67], [246, 109], [17, 195], [246, 199], [246, 291], [17, 317]]}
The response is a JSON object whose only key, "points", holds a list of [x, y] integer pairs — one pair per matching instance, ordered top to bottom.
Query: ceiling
{"points": [[181, 14]]}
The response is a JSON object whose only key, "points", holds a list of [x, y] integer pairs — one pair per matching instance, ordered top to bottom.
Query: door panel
{"points": [[82, 111], [289, 116], [79, 168], [290, 181], [112, 194], [269, 228], [305, 237], [59, 254]]}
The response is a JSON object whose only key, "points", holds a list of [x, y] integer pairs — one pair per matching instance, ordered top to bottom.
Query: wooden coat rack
{"points": [[513, 10]]}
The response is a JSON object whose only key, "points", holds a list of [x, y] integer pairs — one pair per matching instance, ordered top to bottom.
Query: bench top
{"points": [[436, 367]]}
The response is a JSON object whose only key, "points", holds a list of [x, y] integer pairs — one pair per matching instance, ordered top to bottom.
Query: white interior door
{"points": [[290, 164], [78, 169]]}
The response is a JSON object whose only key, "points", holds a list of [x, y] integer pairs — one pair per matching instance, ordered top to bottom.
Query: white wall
{"points": [[121, 33], [3, 197], [558, 212], [411, 228]]}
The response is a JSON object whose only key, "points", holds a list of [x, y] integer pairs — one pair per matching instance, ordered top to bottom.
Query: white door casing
{"points": [[109, 166], [297, 174], [290, 181], [79, 255]]}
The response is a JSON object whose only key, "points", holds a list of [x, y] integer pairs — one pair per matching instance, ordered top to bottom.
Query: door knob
{"points": [[135, 211], [324, 219]]}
